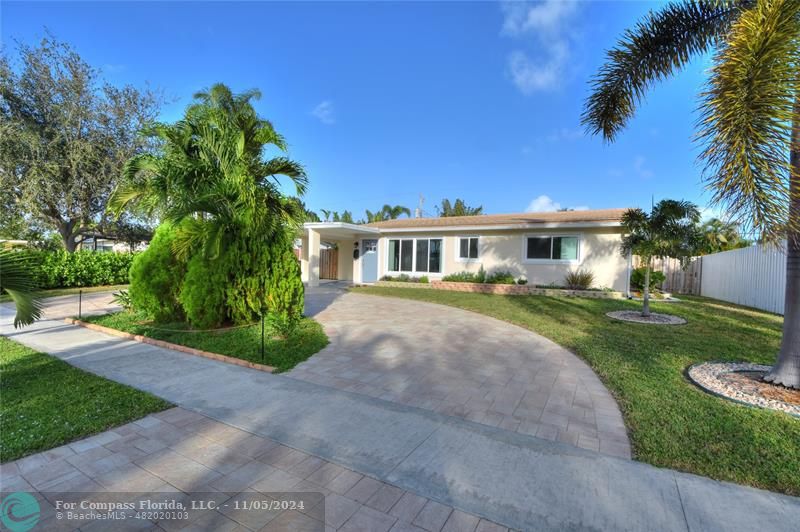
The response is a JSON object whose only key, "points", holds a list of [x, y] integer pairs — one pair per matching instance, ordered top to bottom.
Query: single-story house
{"points": [[541, 247]]}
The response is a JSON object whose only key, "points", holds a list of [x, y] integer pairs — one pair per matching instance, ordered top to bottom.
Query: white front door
{"points": [[369, 261]]}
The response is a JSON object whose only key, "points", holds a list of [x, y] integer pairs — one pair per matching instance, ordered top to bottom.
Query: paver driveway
{"points": [[461, 364]]}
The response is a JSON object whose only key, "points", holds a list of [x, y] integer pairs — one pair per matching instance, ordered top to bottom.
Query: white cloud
{"points": [[548, 16], [545, 25], [324, 112], [641, 168], [545, 203]]}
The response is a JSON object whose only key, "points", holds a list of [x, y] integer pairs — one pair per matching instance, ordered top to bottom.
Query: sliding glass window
{"points": [[415, 255]]}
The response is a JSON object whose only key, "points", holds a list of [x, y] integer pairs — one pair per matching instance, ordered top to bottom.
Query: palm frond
{"points": [[655, 49], [747, 114], [283, 166], [16, 280]]}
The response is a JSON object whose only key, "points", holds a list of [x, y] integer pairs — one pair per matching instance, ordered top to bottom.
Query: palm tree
{"points": [[750, 117], [211, 178], [387, 212], [394, 212], [670, 230], [721, 236], [16, 281]]}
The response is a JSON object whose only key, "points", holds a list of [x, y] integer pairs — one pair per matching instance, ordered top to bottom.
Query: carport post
{"points": [[313, 257]]}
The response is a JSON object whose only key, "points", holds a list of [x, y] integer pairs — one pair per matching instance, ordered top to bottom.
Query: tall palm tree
{"points": [[750, 117], [211, 177], [394, 212], [670, 230], [16, 281]]}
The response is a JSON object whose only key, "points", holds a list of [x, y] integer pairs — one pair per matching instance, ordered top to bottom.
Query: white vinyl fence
{"points": [[754, 276]]}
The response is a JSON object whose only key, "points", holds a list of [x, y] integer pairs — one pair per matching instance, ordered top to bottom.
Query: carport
{"points": [[357, 256]]}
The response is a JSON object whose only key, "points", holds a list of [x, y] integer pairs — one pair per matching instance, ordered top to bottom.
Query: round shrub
{"points": [[156, 276]]}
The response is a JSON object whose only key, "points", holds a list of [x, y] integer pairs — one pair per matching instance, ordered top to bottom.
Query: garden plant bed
{"points": [[503, 289], [635, 316], [241, 343], [170, 345], [742, 382], [47, 402], [671, 423]]}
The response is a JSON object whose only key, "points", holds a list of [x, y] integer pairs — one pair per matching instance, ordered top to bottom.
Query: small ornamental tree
{"points": [[670, 230]]}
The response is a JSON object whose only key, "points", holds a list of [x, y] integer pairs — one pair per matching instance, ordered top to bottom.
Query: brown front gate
{"points": [[328, 263]]}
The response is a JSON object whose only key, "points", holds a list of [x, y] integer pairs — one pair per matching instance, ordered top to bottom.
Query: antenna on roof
{"points": [[418, 210]]}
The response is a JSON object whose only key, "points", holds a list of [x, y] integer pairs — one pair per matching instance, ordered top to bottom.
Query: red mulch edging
{"points": [[170, 345]]}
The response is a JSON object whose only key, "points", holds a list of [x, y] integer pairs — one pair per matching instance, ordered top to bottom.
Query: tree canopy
{"points": [[65, 135], [457, 208]]}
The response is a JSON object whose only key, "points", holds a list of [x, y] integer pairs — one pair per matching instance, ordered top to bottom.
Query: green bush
{"points": [[59, 269], [156, 276], [250, 276], [466, 277], [501, 277], [405, 278], [424, 279], [579, 279], [637, 279], [522, 281], [202, 294]]}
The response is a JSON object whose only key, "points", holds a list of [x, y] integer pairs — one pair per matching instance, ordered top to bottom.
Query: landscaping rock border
{"points": [[503, 289], [635, 316], [169, 345], [707, 376]]}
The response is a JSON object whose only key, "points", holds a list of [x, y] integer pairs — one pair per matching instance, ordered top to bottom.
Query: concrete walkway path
{"points": [[514, 479]]}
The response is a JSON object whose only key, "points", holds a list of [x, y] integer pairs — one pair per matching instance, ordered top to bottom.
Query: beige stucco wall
{"points": [[504, 250]]}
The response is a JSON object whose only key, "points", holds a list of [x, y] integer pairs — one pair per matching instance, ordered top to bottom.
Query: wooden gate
{"points": [[328, 263], [678, 280]]}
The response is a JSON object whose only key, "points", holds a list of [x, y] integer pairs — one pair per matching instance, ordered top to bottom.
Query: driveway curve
{"points": [[462, 364]]}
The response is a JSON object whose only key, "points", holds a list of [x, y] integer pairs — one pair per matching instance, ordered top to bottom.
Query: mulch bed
{"points": [[635, 316], [742, 382]]}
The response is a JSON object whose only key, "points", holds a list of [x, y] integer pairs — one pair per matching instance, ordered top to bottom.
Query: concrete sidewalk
{"points": [[517, 480]]}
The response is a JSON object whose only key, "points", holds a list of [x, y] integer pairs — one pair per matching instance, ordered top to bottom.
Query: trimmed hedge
{"points": [[59, 269]]}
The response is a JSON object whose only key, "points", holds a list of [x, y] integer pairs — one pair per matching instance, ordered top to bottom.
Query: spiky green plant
{"points": [[750, 117], [211, 178], [670, 230], [17, 282]]}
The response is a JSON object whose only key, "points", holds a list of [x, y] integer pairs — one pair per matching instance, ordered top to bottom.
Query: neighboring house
{"points": [[541, 247]]}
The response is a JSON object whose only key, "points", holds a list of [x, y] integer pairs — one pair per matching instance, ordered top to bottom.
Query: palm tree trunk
{"points": [[646, 291], [787, 369]]}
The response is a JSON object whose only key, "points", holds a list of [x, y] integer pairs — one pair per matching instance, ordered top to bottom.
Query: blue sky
{"points": [[386, 101]]}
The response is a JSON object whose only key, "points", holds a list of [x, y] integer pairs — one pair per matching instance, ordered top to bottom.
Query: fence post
{"points": [[80, 301]]}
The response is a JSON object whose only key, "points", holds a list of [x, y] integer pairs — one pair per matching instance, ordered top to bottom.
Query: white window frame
{"points": [[458, 257], [526, 260], [414, 270]]}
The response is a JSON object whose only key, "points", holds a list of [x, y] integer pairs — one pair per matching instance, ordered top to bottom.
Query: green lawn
{"points": [[5, 298], [243, 342], [46, 402], [671, 422]]}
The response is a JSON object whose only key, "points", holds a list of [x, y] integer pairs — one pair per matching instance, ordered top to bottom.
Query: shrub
{"points": [[60, 269], [156, 276], [251, 276], [460, 277], [480, 277], [501, 277], [387, 278], [424, 279], [579, 279], [637, 279], [522, 281], [285, 291], [123, 299]]}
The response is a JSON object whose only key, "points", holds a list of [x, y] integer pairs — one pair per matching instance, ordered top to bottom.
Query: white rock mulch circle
{"points": [[635, 316], [741, 382]]}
